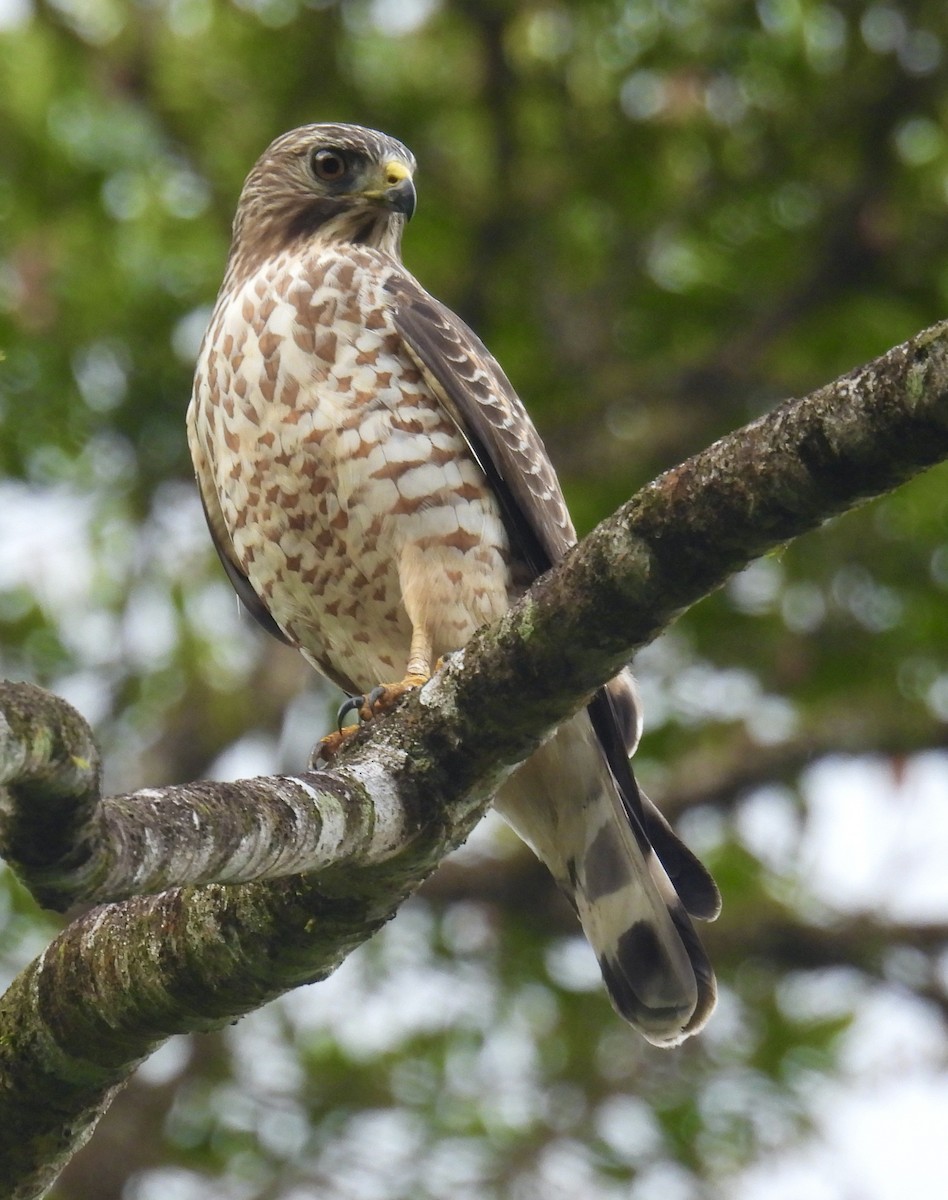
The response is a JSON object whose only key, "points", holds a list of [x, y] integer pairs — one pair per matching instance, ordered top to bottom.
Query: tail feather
{"points": [[613, 714], [596, 833], [691, 878], [655, 969], [704, 975]]}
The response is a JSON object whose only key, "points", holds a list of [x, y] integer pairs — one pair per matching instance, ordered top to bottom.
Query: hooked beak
{"points": [[397, 192], [401, 197]]}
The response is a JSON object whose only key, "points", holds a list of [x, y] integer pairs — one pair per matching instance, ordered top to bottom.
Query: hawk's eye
{"points": [[328, 165]]}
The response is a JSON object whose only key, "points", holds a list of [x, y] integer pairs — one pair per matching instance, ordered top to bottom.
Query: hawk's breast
{"points": [[351, 500]]}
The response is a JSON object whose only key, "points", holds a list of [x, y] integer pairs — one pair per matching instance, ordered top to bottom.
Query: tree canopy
{"points": [[663, 216]]}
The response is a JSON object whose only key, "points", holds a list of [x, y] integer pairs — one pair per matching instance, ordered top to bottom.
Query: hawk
{"points": [[376, 492]]}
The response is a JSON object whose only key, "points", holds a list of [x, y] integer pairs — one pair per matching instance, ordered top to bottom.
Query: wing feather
{"points": [[490, 416], [222, 539]]}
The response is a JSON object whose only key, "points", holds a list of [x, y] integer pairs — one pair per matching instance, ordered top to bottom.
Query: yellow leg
{"points": [[419, 656], [383, 697]]}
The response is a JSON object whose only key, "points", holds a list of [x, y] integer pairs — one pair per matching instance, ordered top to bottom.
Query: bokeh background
{"points": [[663, 216]]}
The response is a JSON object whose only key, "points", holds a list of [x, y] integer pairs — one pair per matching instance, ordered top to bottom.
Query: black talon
{"points": [[376, 694], [352, 704]]}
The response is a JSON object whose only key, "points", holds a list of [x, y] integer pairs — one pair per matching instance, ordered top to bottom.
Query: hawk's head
{"points": [[337, 183]]}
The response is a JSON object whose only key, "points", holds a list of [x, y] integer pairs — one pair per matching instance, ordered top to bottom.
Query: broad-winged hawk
{"points": [[376, 492]]}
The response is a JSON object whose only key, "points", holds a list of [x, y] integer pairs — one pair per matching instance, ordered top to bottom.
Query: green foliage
{"points": [[663, 216]]}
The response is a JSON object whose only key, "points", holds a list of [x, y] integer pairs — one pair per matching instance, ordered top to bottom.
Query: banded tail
{"points": [[635, 886]]}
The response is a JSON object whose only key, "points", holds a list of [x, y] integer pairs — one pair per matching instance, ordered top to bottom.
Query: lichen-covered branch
{"points": [[686, 533], [68, 844], [123, 977]]}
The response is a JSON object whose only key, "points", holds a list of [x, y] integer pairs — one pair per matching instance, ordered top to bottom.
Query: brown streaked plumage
{"points": [[376, 491]]}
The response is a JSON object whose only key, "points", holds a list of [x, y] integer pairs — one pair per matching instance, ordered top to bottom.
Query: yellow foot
{"points": [[386, 695], [377, 702], [329, 746]]}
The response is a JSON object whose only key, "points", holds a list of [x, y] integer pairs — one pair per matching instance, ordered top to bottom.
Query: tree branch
{"points": [[68, 844], [123, 977]]}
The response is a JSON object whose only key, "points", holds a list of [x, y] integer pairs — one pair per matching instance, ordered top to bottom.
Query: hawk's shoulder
{"points": [[483, 404]]}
